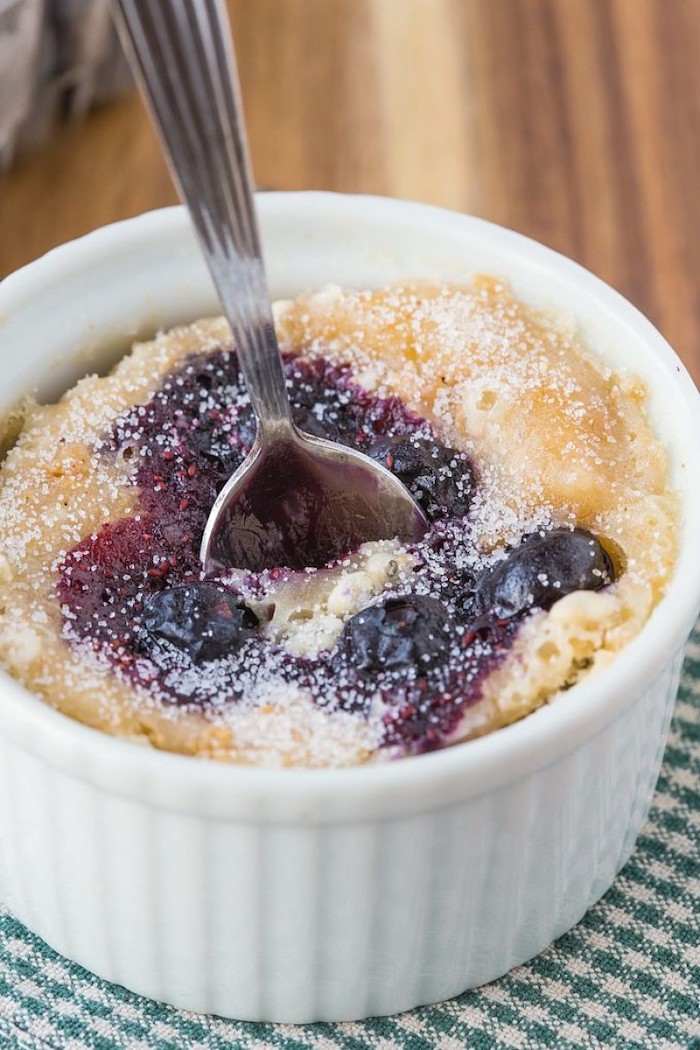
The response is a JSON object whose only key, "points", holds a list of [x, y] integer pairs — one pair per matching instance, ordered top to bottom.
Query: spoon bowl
{"points": [[296, 501], [301, 501]]}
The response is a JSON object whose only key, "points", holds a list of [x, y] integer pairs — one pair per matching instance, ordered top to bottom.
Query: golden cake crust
{"points": [[555, 436]]}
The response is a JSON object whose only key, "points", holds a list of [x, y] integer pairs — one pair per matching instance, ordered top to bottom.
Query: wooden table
{"points": [[574, 121]]}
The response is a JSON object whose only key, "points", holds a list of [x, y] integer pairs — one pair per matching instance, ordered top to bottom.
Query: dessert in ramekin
{"points": [[551, 534], [304, 894]]}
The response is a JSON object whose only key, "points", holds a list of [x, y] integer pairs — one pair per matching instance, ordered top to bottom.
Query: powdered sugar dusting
{"points": [[111, 488]]}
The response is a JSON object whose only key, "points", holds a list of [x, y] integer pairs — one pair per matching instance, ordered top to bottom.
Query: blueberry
{"points": [[319, 413], [244, 429], [225, 441], [224, 456], [439, 478], [544, 568], [202, 620], [399, 633]]}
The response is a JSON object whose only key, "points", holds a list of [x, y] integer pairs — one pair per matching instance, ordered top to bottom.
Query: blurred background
{"points": [[576, 122]]}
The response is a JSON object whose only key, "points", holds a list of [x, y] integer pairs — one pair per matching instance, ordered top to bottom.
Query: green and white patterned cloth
{"points": [[628, 976]]}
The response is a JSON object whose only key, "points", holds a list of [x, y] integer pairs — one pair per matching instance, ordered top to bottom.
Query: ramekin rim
{"points": [[532, 739]]}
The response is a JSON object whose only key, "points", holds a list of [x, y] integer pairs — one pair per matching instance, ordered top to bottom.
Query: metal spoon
{"points": [[296, 500]]}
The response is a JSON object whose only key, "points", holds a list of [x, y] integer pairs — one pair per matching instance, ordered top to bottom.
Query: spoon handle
{"points": [[181, 52]]}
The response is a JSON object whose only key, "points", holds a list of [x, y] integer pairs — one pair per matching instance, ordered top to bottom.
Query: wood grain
{"points": [[574, 121]]}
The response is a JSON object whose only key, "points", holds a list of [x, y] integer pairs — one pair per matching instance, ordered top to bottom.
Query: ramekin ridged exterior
{"points": [[299, 895]]}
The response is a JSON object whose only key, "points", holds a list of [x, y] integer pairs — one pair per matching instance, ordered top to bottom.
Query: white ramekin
{"points": [[325, 895]]}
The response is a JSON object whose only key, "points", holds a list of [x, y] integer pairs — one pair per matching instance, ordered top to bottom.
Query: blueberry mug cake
{"points": [[552, 534]]}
